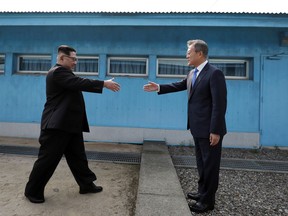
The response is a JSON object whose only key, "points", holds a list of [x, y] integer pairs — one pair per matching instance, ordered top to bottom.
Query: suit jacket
{"points": [[207, 101], [65, 108]]}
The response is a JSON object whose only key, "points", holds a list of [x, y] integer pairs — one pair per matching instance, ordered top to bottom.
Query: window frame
{"points": [[36, 56], [3, 57], [128, 58], [224, 61], [85, 73], [171, 75]]}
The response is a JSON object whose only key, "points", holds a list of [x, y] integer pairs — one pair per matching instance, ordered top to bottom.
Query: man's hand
{"points": [[110, 84], [151, 86], [214, 139]]}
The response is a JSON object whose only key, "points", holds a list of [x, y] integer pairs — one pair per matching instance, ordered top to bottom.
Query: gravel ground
{"points": [[242, 192]]}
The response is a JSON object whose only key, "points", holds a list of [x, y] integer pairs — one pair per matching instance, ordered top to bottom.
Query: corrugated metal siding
{"points": [[146, 6]]}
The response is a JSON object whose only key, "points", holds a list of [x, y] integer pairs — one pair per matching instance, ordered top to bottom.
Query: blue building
{"points": [[134, 48]]}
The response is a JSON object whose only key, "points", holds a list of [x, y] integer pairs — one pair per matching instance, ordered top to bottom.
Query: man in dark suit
{"points": [[207, 101], [63, 122]]}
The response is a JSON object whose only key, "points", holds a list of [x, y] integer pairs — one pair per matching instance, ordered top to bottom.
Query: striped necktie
{"points": [[194, 76]]}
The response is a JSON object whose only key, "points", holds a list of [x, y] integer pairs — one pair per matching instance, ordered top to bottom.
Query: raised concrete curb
{"points": [[159, 190]]}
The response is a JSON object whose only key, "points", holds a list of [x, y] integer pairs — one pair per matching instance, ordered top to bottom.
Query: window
{"points": [[2, 63], [33, 63], [87, 65], [132, 66], [172, 67], [177, 67], [232, 68]]}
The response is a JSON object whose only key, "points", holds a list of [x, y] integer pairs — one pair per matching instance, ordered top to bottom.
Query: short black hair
{"points": [[66, 49]]}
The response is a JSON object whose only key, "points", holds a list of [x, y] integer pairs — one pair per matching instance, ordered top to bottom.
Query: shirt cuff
{"points": [[158, 90]]}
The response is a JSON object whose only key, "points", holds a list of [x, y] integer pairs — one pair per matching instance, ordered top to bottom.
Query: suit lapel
{"points": [[189, 82]]}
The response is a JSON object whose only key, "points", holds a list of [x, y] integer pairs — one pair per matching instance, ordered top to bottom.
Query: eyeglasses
{"points": [[72, 58]]}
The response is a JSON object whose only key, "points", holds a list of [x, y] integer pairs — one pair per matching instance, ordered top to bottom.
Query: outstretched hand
{"points": [[110, 84], [151, 86]]}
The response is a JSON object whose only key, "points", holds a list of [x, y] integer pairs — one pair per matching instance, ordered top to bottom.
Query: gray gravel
{"points": [[242, 192]]}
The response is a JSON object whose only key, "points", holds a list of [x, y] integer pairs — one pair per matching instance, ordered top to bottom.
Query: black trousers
{"points": [[53, 145], [208, 160]]}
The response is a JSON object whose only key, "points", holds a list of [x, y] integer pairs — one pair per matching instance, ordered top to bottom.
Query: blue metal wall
{"points": [[22, 96]]}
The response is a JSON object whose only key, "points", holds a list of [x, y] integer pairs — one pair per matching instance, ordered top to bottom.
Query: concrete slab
{"points": [[159, 190]]}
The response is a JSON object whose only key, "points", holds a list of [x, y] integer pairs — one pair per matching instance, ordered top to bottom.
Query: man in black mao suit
{"points": [[207, 101], [63, 121]]}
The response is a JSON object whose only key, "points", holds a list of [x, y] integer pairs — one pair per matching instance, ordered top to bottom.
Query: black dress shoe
{"points": [[91, 188], [193, 196], [33, 199], [199, 207]]}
